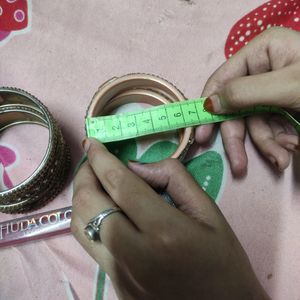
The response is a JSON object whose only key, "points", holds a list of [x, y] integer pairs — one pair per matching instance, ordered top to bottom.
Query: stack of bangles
{"points": [[140, 88], [19, 107]]}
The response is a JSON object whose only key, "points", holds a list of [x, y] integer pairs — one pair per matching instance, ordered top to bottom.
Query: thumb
{"points": [[278, 88], [170, 175]]}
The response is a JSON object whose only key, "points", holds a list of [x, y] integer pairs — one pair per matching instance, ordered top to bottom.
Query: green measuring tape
{"points": [[167, 117]]}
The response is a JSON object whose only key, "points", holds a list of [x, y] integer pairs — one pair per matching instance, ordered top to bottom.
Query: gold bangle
{"points": [[143, 88], [19, 107]]}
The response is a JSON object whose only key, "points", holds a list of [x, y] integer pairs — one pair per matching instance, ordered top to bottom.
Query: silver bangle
{"points": [[19, 107]]}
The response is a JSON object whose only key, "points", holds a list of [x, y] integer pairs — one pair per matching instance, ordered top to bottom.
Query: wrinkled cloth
{"points": [[64, 51]]}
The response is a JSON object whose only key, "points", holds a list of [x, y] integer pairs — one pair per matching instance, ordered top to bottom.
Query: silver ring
{"points": [[92, 230]]}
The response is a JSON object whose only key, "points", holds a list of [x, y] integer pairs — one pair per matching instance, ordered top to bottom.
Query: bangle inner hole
{"points": [[22, 149], [146, 149]]}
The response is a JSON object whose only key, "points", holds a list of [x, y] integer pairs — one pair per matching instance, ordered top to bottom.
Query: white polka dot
{"points": [[11, 1], [279, 2], [268, 3], [285, 4], [295, 4], [274, 5], [297, 7], [265, 8], [1, 11], [290, 12], [294, 12], [256, 13], [272, 13], [279, 13], [19, 15], [265, 16], [248, 19], [254, 19], [296, 19], [259, 22], [241, 25], [248, 25], [281, 25], [269, 26], [262, 28], [255, 30], [238, 32], [248, 32], [232, 37], [241, 38], [236, 42], [246, 43], [231, 49], [230, 55], [208, 177], [205, 183], [204, 188]]}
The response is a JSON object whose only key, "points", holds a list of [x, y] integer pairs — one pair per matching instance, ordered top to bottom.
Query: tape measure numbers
{"points": [[166, 118]]}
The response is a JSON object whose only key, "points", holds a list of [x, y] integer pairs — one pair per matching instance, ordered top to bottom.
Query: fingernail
{"points": [[212, 104], [86, 144], [292, 147], [274, 161], [135, 162]]}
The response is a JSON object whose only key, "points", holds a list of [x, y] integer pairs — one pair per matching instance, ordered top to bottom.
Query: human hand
{"points": [[266, 71], [153, 250]]}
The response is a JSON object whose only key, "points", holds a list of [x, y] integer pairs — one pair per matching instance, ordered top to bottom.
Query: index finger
{"points": [[137, 199]]}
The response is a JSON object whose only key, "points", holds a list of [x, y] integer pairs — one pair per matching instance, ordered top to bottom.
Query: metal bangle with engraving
{"points": [[140, 88], [19, 107]]}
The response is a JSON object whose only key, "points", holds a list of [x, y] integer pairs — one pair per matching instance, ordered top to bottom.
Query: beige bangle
{"points": [[143, 88], [19, 107]]}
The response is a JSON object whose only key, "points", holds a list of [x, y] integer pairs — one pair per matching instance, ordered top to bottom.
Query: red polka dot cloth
{"points": [[284, 13], [13, 16]]}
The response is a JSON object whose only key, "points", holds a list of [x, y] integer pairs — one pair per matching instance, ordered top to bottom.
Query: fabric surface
{"points": [[284, 13], [61, 51]]}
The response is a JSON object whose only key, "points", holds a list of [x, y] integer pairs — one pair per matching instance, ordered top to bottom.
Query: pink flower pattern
{"points": [[7, 158]]}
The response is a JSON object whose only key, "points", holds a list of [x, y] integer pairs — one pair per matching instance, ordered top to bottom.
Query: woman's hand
{"points": [[266, 71], [153, 250]]}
